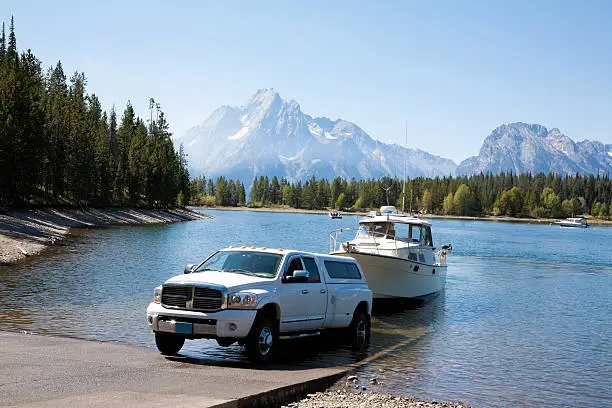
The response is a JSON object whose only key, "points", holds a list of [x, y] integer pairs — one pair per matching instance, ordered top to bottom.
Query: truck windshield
{"points": [[245, 262]]}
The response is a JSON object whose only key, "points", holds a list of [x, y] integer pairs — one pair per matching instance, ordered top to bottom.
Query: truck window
{"points": [[248, 262], [294, 265], [342, 270], [313, 271]]}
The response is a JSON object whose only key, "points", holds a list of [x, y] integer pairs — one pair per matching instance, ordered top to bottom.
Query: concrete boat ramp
{"points": [[44, 371]]}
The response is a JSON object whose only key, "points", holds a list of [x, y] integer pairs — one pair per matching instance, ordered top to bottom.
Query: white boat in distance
{"points": [[333, 214], [577, 222], [397, 255]]}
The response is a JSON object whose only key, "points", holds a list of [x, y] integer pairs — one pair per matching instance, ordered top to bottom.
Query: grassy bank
{"points": [[25, 233]]}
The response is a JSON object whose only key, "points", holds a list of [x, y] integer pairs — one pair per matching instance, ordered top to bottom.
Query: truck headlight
{"points": [[157, 294], [242, 300]]}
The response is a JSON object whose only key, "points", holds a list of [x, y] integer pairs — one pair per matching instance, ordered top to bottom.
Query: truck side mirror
{"points": [[188, 268], [299, 276]]}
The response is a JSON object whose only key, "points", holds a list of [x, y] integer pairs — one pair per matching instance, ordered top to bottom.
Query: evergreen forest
{"points": [[59, 147], [506, 194]]}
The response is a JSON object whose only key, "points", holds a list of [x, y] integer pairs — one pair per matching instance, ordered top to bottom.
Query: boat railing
{"points": [[383, 235], [333, 238], [334, 245]]}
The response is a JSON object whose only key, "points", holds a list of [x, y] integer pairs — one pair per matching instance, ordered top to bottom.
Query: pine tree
{"points": [[2, 42], [11, 51]]}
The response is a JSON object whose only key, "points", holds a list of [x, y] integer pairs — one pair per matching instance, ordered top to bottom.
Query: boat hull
{"points": [[571, 225], [390, 277]]}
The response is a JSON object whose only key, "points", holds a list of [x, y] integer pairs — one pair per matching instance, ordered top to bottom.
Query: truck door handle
{"points": [[305, 291], [323, 291]]}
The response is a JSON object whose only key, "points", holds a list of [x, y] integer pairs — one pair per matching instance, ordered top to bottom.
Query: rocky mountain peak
{"points": [[272, 136], [521, 147]]}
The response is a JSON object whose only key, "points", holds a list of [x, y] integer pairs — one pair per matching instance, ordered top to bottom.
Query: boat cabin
{"points": [[407, 229], [395, 235]]}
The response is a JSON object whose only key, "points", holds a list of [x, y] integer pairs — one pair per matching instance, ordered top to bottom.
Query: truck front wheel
{"points": [[260, 342], [168, 344]]}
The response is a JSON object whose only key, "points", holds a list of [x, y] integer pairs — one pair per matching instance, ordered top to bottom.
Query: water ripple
{"points": [[524, 321]]}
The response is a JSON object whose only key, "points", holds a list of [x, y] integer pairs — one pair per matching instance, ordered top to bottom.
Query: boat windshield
{"points": [[376, 230], [244, 262]]}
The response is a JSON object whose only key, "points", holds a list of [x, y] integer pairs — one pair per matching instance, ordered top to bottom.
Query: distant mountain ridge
{"points": [[272, 136], [521, 148]]}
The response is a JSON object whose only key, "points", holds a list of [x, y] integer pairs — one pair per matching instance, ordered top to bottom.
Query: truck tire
{"points": [[359, 331], [225, 342], [260, 342], [168, 344]]}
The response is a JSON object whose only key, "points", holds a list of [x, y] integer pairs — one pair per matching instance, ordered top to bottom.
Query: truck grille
{"points": [[176, 296], [186, 297], [207, 298]]}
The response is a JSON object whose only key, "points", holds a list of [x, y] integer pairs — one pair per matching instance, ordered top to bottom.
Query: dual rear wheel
{"points": [[359, 331]]}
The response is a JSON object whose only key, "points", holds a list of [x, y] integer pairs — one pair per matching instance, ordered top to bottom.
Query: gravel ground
{"points": [[28, 232], [355, 392], [366, 399]]}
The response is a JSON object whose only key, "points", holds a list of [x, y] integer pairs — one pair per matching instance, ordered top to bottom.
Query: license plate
{"points": [[185, 328]]}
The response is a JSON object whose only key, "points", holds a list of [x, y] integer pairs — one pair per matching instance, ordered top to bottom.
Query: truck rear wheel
{"points": [[359, 331], [260, 342], [168, 344]]}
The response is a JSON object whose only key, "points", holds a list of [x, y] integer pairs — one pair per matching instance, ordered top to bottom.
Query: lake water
{"points": [[525, 319]]}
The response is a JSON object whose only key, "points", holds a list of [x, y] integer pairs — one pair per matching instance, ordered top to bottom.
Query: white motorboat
{"points": [[334, 214], [577, 222], [397, 255]]}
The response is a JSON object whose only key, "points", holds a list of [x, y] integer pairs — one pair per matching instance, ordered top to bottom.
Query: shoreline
{"points": [[493, 218], [25, 233]]}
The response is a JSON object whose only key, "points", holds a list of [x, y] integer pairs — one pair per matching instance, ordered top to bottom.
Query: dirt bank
{"points": [[28, 232]]}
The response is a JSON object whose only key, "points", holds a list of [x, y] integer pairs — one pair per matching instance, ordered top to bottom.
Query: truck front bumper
{"points": [[228, 323]]}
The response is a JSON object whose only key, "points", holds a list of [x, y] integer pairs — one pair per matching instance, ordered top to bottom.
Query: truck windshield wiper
{"points": [[205, 269], [243, 271], [262, 274]]}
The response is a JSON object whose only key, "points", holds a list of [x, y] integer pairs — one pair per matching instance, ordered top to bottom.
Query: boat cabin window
{"points": [[378, 230], [414, 233], [427, 235]]}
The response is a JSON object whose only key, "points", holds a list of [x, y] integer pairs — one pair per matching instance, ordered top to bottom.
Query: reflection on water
{"points": [[524, 320]]}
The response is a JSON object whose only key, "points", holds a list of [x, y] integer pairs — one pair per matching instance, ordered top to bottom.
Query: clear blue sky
{"points": [[453, 70]]}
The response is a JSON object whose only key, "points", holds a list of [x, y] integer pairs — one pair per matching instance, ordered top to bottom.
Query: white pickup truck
{"points": [[256, 296]]}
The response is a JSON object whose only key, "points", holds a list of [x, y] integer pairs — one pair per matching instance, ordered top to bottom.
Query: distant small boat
{"points": [[334, 214], [573, 222]]}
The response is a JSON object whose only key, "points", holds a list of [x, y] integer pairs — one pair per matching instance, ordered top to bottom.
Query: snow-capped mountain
{"points": [[272, 136], [521, 147]]}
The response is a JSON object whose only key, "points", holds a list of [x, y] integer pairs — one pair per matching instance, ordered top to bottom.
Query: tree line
{"points": [[58, 146], [505, 194]]}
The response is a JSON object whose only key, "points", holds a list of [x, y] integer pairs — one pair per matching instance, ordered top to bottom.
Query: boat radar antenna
{"points": [[385, 183], [404, 188]]}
